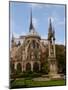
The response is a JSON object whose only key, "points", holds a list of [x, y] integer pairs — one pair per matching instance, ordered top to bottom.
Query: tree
{"points": [[61, 58], [45, 68]]}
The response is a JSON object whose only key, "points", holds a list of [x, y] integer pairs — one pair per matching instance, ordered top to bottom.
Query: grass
{"points": [[21, 83]]}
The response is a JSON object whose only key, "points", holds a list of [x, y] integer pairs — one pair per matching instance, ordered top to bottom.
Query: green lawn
{"points": [[21, 83]]}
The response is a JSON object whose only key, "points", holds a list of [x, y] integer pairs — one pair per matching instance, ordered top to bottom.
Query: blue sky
{"points": [[20, 19]]}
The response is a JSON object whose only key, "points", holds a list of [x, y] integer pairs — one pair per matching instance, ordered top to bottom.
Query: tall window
{"points": [[33, 43], [19, 68]]}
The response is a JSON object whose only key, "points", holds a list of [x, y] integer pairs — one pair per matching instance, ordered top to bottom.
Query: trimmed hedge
{"points": [[26, 74]]}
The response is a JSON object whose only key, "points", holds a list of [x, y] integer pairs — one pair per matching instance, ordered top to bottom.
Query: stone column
{"points": [[49, 47], [54, 48], [15, 65], [32, 66], [22, 67]]}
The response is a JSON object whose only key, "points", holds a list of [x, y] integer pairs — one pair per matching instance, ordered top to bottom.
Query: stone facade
{"points": [[27, 52]]}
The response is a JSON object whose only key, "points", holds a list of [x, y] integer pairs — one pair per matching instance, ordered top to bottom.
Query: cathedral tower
{"points": [[52, 52]]}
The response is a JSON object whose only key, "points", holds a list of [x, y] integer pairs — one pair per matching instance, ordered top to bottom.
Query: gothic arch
{"points": [[34, 43], [38, 43], [12, 67], [19, 67], [28, 67], [36, 67]]}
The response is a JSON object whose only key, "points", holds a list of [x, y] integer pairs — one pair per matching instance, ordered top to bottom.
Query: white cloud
{"points": [[23, 33], [15, 35], [44, 36]]}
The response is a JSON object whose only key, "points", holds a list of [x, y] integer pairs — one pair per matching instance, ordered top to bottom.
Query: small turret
{"points": [[31, 24], [50, 26], [50, 30], [53, 34], [13, 42]]}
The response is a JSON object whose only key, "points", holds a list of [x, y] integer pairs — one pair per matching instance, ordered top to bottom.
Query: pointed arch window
{"points": [[33, 43]]}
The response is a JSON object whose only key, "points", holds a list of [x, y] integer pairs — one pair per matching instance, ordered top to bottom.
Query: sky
{"points": [[20, 19]]}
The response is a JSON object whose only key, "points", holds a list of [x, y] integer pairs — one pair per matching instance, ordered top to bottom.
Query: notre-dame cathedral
{"points": [[29, 53]]}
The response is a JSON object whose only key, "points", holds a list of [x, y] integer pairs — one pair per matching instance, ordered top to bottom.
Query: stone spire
{"points": [[31, 24], [50, 26], [50, 30], [53, 34]]}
